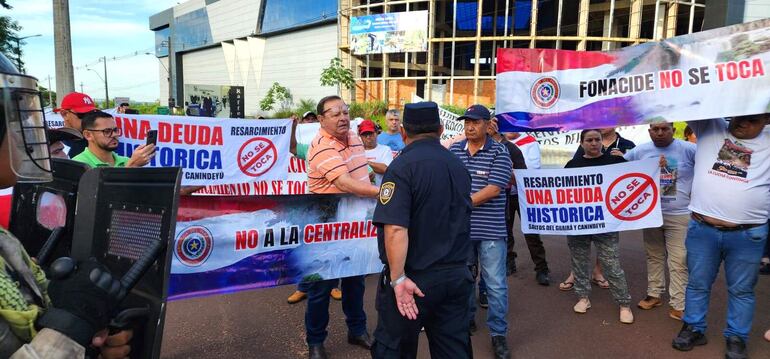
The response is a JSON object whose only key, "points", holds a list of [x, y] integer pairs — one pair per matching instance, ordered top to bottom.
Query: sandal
{"points": [[603, 284], [566, 286]]}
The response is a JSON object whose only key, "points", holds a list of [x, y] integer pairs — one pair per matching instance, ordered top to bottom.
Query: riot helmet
{"points": [[23, 125]]}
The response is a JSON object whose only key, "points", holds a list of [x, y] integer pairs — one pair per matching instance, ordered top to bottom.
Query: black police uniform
{"points": [[426, 189]]}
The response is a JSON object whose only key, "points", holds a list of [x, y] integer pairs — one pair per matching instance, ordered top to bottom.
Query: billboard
{"points": [[389, 33], [214, 101]]}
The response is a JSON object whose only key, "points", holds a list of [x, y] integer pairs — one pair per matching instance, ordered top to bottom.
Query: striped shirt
{"points": [[329, 158], [491, 165]]}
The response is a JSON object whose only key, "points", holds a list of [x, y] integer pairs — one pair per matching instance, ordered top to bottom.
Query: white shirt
{"points": [[530, 149], [379, 154], [732, 176], [676, 178]]}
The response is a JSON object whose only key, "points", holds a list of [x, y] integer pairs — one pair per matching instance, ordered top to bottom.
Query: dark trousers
{"points": [[534, 243], [443, 312], [317, 313]]}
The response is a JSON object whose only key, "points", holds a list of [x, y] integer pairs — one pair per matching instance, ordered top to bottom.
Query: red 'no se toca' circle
{"points": [[257, 156], [632, 200]]}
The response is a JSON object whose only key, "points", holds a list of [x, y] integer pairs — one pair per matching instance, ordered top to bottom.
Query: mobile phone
{"points": [[152, 137]]}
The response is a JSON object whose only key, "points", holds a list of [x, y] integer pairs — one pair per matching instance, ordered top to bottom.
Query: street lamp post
{"points": [[18, 48], [168, 77], [106, 91]]}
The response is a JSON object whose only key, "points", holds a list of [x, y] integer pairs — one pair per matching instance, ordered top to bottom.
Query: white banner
{"points": [[210, 150], [590, 200]]}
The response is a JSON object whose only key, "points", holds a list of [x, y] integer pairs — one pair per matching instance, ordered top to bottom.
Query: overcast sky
{"points": [[112, 28]]}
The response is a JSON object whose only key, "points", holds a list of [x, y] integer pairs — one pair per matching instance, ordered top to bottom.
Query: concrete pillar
{"points": [[65, 77]]}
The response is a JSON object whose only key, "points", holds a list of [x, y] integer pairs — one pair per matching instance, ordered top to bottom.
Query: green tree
{"points": [[9, 31], [337, 75], [44, 93], [277, 94]]}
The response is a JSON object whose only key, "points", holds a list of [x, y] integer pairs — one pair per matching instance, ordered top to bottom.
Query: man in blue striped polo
{"points": [[491, 169]]}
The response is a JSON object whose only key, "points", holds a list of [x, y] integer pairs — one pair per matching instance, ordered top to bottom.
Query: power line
{"points": [[115, 58]]}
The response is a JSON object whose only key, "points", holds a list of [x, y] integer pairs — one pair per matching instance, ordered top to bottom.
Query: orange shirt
{"points": [[329, 158]]}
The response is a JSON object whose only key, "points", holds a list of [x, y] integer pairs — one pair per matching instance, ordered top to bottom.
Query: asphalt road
{"points": [[260, 324]]}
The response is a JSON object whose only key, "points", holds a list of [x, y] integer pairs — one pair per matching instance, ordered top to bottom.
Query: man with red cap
{"points": [[73, 107], [378, 156]]}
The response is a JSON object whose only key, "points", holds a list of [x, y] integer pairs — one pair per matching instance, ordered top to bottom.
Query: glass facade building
{"points": [[281, 15], [464, 35]]}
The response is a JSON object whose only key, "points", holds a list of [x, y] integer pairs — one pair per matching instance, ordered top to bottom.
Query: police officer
{"points": [[423, 222], [41, 318]]}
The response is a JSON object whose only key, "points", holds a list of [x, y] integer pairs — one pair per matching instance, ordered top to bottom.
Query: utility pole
{"points": [[65, 77], [106, 91], [50, 99]]}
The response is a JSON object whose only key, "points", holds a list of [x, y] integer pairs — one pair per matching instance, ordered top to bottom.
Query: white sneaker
{"points": [[582, 306], [626, 316]]}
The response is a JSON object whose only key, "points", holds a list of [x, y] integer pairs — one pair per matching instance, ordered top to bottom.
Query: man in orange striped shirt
{"points": [[337, 157], [337, 164]]}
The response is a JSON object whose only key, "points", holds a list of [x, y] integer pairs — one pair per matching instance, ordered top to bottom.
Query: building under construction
{"points": [[458, 67]]}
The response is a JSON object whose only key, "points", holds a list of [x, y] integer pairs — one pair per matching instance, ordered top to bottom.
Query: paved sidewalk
{"points": [[542, 325]]}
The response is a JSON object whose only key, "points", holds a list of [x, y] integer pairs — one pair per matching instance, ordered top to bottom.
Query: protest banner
{"points": [[716, 73], [212, 150], [590, 200], [229, 244]]}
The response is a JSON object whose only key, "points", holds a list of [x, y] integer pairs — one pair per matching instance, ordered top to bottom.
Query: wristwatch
{"points": [[398, 281]]}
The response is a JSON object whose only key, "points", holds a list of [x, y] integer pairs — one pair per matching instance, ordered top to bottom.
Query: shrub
{"points": [[276, 94], [305, 105], [368, 109], [457, 110]]}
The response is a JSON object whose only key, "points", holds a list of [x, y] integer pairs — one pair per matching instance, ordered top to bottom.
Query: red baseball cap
{"points": [[77, 102], [366, 126]]}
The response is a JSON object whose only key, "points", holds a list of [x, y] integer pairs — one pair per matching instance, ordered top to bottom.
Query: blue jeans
{"points": [[741, 252], [491, 258], [304, 287], [317, 313]]}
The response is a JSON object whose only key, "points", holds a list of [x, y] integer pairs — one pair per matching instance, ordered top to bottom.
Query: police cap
{"points": [[421, 114]]}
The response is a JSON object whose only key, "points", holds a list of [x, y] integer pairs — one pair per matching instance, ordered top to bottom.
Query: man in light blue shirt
{"points": [[392, 135], [676, 175]]}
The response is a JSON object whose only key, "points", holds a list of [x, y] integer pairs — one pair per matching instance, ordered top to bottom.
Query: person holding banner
{"points": [[612, 142], [615, 145], [299, 150], [337, 164], [491, 169], [729, 203], [423, 226], [667, 242], [607, 244]]}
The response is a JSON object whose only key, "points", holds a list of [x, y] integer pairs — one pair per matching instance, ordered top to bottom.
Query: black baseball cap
{"points": [[476, 112], [63, 134]]}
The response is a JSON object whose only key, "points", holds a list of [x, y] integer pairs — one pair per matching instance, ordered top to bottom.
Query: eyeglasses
{"points": [[340, 110], [108, 132]]}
